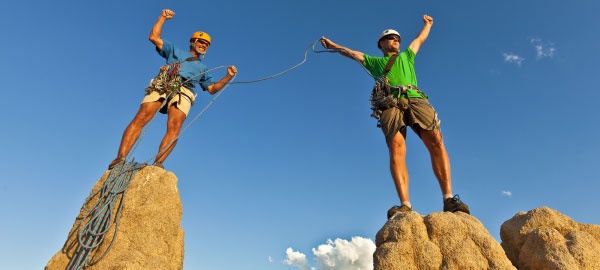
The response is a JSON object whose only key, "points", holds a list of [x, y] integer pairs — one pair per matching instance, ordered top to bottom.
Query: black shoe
{"points": [[454, 204], [397, 209]]}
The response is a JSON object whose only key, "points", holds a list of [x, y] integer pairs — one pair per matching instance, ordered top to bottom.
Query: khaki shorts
{"points": [[185, 105], [418, 112]]}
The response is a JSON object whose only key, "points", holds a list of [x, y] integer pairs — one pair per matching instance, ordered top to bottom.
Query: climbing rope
{"points": [[311, 46], [98, 219]]}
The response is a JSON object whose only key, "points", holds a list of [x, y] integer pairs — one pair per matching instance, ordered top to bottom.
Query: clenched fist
{"points": [[167, 14], [427, 19]]}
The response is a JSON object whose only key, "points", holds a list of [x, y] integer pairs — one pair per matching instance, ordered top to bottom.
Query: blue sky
{"points": [[294, 161]]}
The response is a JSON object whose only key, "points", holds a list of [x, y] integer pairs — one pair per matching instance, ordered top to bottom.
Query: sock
{"points": [[447, 196], [407, 204]]}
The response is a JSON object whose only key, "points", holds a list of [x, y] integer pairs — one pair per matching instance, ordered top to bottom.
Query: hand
{"points": [[167, 14], [427, 19], [326, 43], [231, 71]]}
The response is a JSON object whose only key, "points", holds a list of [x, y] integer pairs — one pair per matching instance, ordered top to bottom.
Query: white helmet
{"points": [[388, 32]]}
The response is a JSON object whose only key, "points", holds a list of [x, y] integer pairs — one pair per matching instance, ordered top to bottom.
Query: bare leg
{"points": [[176, 119], [133, 130], [397, 149], [439, 157]]}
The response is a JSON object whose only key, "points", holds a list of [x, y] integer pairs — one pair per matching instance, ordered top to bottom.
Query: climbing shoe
{"points": [[116, 162], [158, 164], [454, 204], [397, 209]]}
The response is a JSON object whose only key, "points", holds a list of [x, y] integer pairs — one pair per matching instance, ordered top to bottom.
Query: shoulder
{"points": [[167, 45], [170, 48], [167, 49], [408, 53], [372, 60]]}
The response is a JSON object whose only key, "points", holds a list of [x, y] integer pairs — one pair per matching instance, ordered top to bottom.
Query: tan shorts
{"points": [[185, 105], [418, 112]]}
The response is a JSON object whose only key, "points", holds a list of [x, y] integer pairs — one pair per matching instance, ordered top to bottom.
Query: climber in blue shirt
{"points": [[186, 70]]}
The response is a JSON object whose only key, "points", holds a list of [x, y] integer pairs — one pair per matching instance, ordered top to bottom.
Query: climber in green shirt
{"points": [[395, 75]]}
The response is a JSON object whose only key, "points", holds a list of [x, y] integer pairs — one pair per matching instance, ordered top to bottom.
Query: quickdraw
{"points": [[381, 100]]}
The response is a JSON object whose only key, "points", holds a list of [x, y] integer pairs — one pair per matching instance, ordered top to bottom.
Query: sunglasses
{"points": [[390, 37], [202, 41]]}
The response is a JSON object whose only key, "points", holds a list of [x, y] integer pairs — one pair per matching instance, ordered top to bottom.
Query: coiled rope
{"points": [[91, 234]]}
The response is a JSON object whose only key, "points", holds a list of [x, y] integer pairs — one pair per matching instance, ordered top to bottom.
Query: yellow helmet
{"points": [[201, 35]]}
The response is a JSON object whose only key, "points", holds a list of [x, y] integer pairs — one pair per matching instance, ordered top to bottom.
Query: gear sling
{"points": [[169, 82]]}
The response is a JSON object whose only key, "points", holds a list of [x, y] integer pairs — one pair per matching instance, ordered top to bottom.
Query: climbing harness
{"points": [[168, 81], [384, 97]]}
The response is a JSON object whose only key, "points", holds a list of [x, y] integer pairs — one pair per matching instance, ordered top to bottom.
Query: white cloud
{"points": [[543, 48], [513, 58], [507, 193], [341, 254], [356, 254], [296, 258], [270, 259]]}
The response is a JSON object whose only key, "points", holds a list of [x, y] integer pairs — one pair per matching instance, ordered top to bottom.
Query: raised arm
{"points": [[157, 28], [416, 44], [356, 55]]}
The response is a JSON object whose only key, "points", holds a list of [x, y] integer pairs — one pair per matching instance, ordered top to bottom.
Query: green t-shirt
{"points": [[402, 72]]}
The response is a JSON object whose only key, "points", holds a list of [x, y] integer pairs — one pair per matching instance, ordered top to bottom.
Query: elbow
{"points": [[154, 38], [211, 90]]}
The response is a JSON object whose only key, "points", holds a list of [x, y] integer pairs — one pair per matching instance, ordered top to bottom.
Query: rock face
{"points": [[150, 234], [546, 239], [440, 241]]}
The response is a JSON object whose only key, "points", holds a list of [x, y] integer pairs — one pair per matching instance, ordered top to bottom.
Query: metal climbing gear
{"points": [[168, 78], [168, 81], [381, 96], [385, 96]]}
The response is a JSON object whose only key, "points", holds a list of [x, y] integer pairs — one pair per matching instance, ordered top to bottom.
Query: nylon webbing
{"points": [[389, 65]]}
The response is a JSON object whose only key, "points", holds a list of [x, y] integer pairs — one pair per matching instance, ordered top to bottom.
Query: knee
{"points": [[140, 120], [174, 126], [433, 140], [397, 150]]}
